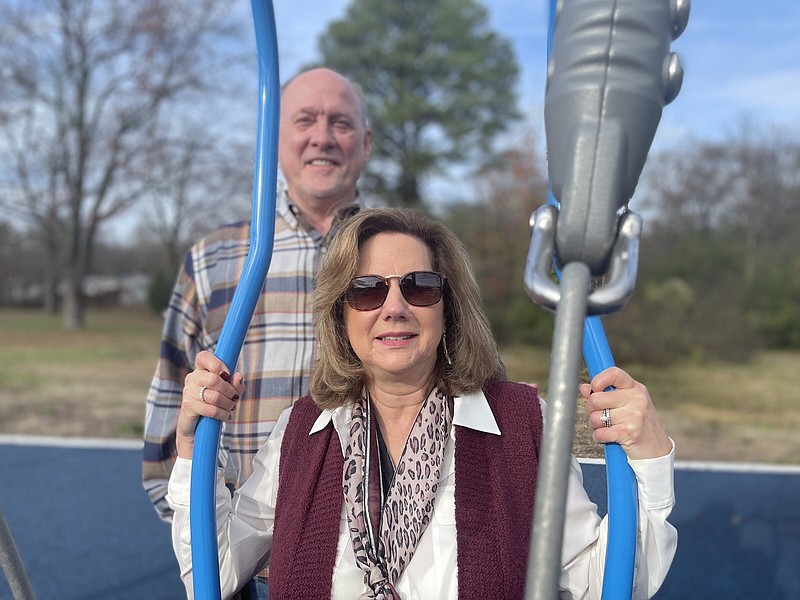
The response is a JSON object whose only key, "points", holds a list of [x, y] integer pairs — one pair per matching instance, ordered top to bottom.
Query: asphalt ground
{"points": [[85, 529]]}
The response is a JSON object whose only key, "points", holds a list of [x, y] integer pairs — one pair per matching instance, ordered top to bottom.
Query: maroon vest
{"points": [[494, 491]]}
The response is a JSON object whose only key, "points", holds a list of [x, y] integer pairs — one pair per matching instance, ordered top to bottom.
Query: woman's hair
{"points": [[338, 375]]}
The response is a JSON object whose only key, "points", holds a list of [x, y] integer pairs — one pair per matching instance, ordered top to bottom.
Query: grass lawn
{"points": [[94, 382], [76, 383], [720, 411]]}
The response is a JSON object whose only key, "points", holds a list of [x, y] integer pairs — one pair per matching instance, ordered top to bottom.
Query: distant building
{"points": [[129, 290]]}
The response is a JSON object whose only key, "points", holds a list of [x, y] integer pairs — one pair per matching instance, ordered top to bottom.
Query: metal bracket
{"points": [[623, 264]]}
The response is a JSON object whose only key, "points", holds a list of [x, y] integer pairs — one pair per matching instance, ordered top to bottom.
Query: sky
{"points": [[741, 60]]}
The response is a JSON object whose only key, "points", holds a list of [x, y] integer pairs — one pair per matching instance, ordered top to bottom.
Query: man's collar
{"points": [[342, 213]]}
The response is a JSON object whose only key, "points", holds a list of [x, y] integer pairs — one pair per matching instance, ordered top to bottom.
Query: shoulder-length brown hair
{"points": [[338, 375]]}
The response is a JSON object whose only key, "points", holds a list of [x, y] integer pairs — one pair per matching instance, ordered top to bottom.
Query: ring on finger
{"points": [[202, 394], [605, 418]]}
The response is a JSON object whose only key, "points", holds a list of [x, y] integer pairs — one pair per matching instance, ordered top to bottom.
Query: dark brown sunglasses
{"points": [[419, 288]]}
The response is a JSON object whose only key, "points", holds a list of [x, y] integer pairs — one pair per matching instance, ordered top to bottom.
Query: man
{"points": [[324, 142]]}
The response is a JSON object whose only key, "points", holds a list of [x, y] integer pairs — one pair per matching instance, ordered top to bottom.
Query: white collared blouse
{"points": [[245, 523]]}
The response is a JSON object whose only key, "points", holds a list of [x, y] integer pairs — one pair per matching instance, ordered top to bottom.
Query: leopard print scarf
{"points": [[385, 531]]}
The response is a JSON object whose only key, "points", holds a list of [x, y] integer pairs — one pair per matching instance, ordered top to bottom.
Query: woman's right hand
{"points": [[208, 391]]}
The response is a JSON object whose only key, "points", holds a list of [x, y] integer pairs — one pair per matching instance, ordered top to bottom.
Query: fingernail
{"points": [[225, 376], [236, 396]]}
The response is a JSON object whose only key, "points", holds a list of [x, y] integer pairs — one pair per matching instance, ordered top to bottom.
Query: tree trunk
{"points": [[408, 190], [750, 256], [50, 278], [50, 294], [72, 310]]}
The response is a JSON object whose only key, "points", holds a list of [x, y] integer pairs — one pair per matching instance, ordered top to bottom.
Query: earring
{"points": [[444, 347]]}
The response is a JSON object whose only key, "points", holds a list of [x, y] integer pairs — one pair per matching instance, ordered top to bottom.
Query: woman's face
{"points": [[396, 342]]}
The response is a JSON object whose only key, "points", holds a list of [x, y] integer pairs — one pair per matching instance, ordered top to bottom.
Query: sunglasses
{"points": [[419, 288]]}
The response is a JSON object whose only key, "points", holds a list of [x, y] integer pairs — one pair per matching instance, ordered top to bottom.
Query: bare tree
{"points": [[87, 89], [195, 183], [745, 186], [689, 189], [767, 194], [496, 233], [719, 254]]}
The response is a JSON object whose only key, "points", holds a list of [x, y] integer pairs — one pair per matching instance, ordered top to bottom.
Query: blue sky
{"points": [[741, 58]]}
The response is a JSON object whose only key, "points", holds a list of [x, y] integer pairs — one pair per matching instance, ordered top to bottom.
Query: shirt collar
{"points": [[298, 219], [471, 411], [325, 417], [340, 417]]}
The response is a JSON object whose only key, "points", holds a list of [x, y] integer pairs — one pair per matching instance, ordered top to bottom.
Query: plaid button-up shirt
{"points": [[276, 356]]}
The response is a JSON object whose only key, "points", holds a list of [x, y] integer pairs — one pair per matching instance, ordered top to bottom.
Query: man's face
{"points": [[324, 142]]}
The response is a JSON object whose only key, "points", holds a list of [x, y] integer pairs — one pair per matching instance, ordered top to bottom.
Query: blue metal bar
{"points": [[623, 506], [205, 562]]}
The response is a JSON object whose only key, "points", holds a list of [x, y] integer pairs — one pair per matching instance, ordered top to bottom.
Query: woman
{"points": [[410, 470]]}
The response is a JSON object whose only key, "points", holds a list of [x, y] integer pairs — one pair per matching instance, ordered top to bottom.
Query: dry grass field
{"points": [[86, 383], [93, 383], [714, 412]]}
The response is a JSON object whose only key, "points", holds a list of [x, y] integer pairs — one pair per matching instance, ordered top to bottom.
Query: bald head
{"points": [[333, 75], [324, 140]]}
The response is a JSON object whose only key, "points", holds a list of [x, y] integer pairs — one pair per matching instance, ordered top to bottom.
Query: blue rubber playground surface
{"points": [[85, 529]]}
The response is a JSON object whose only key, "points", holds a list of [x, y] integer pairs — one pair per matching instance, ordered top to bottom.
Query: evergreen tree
{"points": [[439, 85]]}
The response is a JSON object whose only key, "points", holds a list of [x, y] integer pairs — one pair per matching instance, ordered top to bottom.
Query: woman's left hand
{"points": [[635, 424]]}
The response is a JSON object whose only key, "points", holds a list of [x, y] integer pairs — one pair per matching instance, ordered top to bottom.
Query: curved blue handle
{"points": [[620, 481], [205, 562]]}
